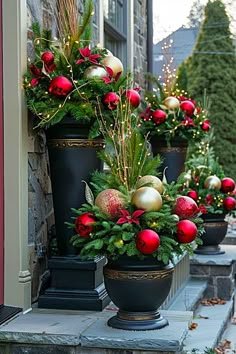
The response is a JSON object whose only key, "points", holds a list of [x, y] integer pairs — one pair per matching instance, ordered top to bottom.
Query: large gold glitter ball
{"points": [[114, 63], [93, 72], [171, 102], [152, 181], [212, 182], [147, 198]]}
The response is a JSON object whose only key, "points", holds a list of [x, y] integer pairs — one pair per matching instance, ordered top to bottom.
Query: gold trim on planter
{"points": [[71, 143], [172, 149], [215, 224], [132, 275], [135, 316]]}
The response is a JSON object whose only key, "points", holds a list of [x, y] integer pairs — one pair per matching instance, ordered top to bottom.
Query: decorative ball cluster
{"points": [[145, 199]]}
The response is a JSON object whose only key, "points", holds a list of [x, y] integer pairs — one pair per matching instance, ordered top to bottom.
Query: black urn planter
{"points": [[172, 154], [215, 231], [74, 284], [138, 288]]}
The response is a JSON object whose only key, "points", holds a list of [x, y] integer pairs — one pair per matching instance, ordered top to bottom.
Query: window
{"points": [[115, 28]]}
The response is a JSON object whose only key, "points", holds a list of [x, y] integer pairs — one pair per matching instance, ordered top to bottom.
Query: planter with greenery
{"points": [[172, 122], [206, 183], [137, 221]]}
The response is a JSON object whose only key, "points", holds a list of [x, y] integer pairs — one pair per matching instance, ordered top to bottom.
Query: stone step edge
{"points": [[189, 297], [219, 326]]}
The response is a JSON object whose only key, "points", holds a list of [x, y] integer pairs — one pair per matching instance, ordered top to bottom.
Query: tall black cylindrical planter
{"points": [[172, 154], [72, 158], [215, 231], [74, 284], [138, 288]]}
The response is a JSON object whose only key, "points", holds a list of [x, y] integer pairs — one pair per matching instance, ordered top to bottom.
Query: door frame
{"points": [[1, 173], [17, 279]]}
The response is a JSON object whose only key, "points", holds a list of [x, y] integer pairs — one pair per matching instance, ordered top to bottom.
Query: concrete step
{"points": [[189, 296], [211, 322], [86, 332], [230, 334]]}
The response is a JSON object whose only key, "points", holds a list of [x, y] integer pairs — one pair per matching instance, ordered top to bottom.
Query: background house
{"points": [[182, 42]]}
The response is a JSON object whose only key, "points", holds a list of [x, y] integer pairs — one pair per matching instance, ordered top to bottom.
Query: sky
{"points": [[169, 15]]}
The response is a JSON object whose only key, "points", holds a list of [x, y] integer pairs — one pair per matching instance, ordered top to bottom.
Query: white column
{"points": [[17, 283]]}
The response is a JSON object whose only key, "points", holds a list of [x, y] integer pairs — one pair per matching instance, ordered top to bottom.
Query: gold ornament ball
{"points": [[114, 63], [93, 72], [171, 102], [153, 181], [212, 182], [147, 198]]}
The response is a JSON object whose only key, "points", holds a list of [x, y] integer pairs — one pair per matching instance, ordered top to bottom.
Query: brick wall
{"points": [[40, 201]]}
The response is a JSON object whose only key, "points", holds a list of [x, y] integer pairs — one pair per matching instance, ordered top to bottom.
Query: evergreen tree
{"points": [[196, 14], [212, 67]]}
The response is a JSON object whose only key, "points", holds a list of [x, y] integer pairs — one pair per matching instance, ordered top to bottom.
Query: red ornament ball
{"points": [[47, 58], [60, 86], [133, 97], [111, 100], [187, 107], [158, 116], [205, 126], [227, 185], [193, 194], [110, 202], [229, 203], [185, 207], [84, 224], [186, 231], [147, 241]]}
